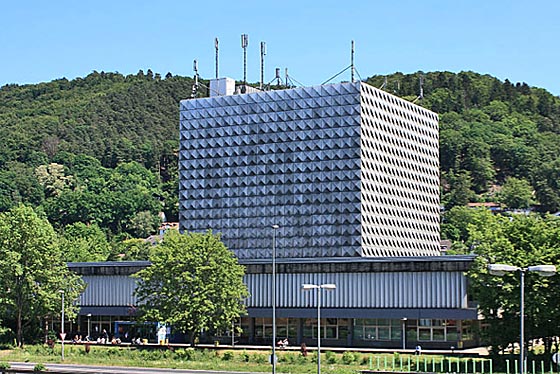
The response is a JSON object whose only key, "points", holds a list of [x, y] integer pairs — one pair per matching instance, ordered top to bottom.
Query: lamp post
{"points": [[501, 270], [328, 287], [404, 319], [88, 326], [62, 334], [273, 359]]}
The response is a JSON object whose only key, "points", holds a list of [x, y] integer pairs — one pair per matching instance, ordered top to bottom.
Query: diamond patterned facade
{"points": [[343, 169]]}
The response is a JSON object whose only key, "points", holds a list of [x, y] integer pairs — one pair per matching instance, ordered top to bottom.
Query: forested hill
{"points": [[499, 141], [102, 149]]}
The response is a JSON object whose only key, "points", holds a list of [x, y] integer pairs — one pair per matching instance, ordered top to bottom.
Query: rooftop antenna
{"points": [[244, 44], [216, 45], [263, 53], [352, 63], [277, 77], [421, 82], [384, 83], [194, 92]]}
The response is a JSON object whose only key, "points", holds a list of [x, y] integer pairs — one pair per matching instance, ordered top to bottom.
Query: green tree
{"points": [[457, 189], [516, 193], [143, 224], [520, 241], [84, 243], [131, 250], [32, 271], [194, 283]]}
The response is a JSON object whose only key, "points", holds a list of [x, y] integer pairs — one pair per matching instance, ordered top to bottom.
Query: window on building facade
{"points": [[329, 328], [377, 329], [437, 330]]}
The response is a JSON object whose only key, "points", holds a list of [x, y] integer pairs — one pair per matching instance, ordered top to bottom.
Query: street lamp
{"points": [[542, 270], [328, 287], [404, 319], [88, 326], [62, 334], [273, 359]]}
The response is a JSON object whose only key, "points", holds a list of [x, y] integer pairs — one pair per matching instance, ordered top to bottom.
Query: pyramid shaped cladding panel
{"points": [[343, 169], [400, 177]]}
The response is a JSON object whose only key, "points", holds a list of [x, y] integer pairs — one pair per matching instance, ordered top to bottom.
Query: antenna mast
{"points": [[244, 44], [216, 45], [263, 53], [352, 63], [277, 77], [421, 82], [194, 92]]}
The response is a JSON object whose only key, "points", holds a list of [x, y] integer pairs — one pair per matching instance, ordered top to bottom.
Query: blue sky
{"points": [[46, 40]]}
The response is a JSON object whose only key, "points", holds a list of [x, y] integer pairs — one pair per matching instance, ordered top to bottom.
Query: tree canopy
{"points": [[517, 240], [32, 271], [194, 283]]}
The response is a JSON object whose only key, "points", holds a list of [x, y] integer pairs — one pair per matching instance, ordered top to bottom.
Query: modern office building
{"points": [[345, 170], [350, 174]]}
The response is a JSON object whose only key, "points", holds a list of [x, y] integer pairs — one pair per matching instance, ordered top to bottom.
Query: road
{"points": [[26, 367]]}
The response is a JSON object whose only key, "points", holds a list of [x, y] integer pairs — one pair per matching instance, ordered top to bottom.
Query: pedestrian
{"points": [[303, 350], [418, 350]]}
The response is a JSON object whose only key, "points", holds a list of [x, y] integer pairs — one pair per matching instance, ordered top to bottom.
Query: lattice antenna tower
{"points": [[216, 45], [244, 45], [263, 53], [194, 92]]}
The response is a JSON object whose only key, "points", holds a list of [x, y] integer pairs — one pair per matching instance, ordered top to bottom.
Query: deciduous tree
{"points": [[32, 271], [194, 283]]}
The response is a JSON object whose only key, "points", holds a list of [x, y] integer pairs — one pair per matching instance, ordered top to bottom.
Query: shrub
{"points": [[7, 337], [185, 354], [228, 355], [244, 356], [331, 357], [348, 358], [259, 359], [365, 360], [4, 365], [39, 368]]}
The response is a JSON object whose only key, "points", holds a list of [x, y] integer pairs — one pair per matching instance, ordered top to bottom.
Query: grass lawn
{"points": [[181, 358], [241, 360]]}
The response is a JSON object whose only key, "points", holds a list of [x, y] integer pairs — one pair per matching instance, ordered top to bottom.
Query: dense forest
{"points": [[98, 155]]}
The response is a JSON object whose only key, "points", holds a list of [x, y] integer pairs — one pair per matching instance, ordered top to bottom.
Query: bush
{"points": [[7, 337], [185, 354], [228, 355], [244, 356], [331, 357], [291, 358], [348, 358], [259, 359], [365, 360], [4, 365], [39, 368]]}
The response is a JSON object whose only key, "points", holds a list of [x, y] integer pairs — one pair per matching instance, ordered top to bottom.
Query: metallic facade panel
{"points": [[345, 170], [108, 290], [357, 290], [445, 290]]}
